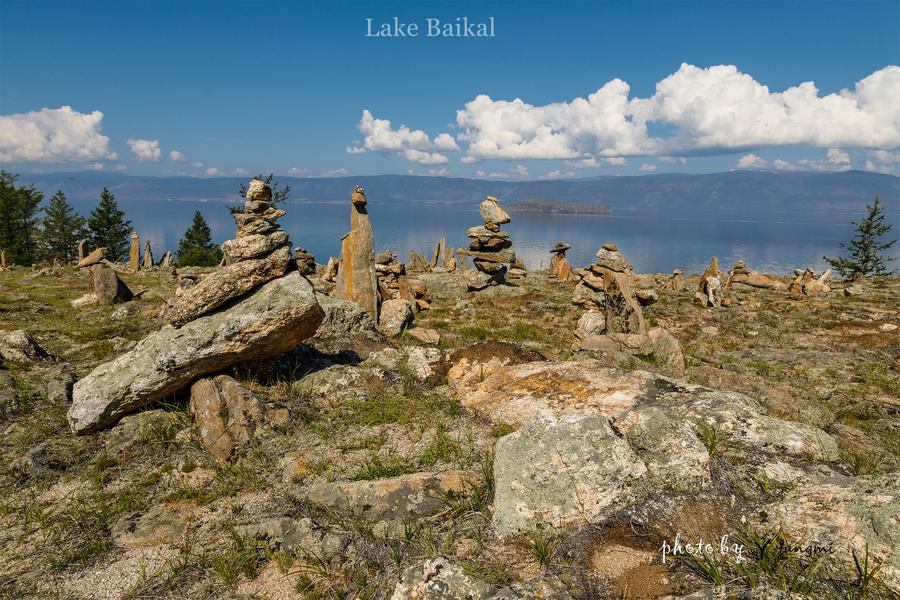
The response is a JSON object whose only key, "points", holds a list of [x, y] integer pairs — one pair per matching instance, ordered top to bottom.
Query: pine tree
{"points": [[18, 219], [108, 228], [61, 229], [196, 248], [865, 249]]}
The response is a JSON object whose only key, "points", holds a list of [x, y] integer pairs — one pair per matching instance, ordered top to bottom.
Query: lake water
{"points": [[651, 243]]}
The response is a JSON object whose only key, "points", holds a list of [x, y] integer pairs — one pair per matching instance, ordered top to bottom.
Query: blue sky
{"points": [[237, 88]]}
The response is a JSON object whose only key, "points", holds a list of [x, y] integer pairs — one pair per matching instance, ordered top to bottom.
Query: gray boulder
{"points": [[395, 316], [344, 318], [266, 324], [19, 347], [560, 472]]}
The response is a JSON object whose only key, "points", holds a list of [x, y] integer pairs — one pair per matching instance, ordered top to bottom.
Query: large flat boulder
{"points": [[267, 323], [563, 471]]}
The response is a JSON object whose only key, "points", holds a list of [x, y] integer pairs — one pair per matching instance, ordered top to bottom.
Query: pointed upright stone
{"points": [[82, 249], [134, 253], [148, 256], [356, 280]]}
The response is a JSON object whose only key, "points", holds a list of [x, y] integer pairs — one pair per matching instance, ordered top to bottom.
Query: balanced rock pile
{"points": [[489, 248], [260, 252], [306, 262], [559, 264], [389, 272], [744, 276], [355, 279], [676, 281], [805, 282], [709, 292], [248, 310], [614, 324]]}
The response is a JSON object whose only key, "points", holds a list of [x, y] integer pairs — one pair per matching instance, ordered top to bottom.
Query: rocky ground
{"points": [[476, 456]]}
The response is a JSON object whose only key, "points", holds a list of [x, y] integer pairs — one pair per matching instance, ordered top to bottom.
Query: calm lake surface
{"points": [[652, 244]]}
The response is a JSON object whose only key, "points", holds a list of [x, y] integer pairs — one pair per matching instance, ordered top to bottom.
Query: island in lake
{"points": [[546, 205]]}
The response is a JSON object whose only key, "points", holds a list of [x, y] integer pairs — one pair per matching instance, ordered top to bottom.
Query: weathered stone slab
{"points": [[227, 283], [268, 323]]}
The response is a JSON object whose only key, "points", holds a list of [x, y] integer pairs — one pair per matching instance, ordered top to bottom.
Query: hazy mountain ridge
{"points": [[731, 193]]}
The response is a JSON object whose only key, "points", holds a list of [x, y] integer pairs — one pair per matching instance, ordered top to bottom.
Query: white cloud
{"points": [[703, 110], [53, 135], [414, 145], [145, 149], [176, 155], [885, 157], [672, 160], [835, 160], [616, 161], [752, 161], [583, 163], [197, 164], [94, 166], [120, 167], [647, 168], [520, 170], [212, 171], [239, 171], [296, 171], [442, 172], [335, 173], [557, 174]]}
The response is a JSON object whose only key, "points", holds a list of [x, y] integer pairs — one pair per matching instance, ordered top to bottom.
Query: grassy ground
{"points": [[826, 360]]}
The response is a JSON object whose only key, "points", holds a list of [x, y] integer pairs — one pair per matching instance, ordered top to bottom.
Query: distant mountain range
{"points": [[731, 194]]}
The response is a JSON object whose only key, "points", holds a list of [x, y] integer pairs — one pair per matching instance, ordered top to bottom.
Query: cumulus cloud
{"points": [[701, 110], [53, 135], [414, 145], [145, 149], [176, 155], [835, 160], [615, 161], [752, 161], [583, 163], [197, 164], [94, 166], [647, 168], [520, 170], [212, 171], [239, 171], [296, 171], [442, 172], [335, 173], [557, 174]]}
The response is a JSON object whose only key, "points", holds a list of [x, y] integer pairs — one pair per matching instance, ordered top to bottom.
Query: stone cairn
{"points": [[489, 248], [82, 249], [260, 252], [134, 253], [4, 261], [147, 261], [559, 264], [740, 274], [355, 279], [676, 282], [805, 282], [394, 283], [605, 288], [709, 291], [614, 324]]}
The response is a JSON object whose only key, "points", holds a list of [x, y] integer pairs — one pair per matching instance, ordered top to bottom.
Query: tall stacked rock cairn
{"points": [[489, 248], [356, 280], [251, 309], [613, 325]]}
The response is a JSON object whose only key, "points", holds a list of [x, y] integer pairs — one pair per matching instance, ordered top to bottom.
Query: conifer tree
{"points": [[18, 219], [108, 228], [61, 229], [196, 248], [865, 250]]}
